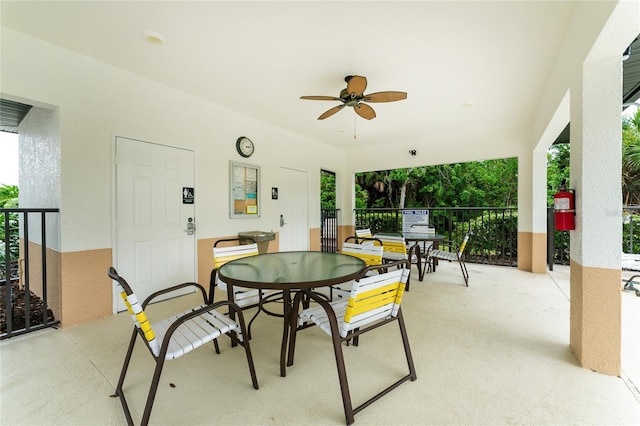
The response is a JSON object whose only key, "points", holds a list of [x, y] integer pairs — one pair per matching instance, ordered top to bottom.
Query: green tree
{"points": [[631, 159], [557, 169], [472, 184], [327, 190], [8, 196], [8, 199]]}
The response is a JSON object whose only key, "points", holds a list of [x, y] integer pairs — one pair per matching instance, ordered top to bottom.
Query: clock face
{"points": [[244, 146]]}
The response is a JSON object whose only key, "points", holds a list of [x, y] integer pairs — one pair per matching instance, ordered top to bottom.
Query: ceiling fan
{"points": [[354, 96]]}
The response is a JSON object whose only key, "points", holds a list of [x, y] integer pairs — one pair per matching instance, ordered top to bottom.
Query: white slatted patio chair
{"points": [[366, 234], [395, 249], [452, 252], [222, 253], [370, 254], [374, 301], [176, 336]]}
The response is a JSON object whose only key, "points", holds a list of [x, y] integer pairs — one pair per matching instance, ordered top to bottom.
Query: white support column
{"points": [[532, 219], [596, 243]]}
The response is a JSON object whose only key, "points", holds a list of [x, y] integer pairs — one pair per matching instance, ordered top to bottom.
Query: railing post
{"points": [[8, 301]]}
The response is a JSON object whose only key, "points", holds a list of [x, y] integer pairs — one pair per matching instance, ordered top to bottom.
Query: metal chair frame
{"points": [[452, 252], [260, 295], [143, 330], [338, 339]]}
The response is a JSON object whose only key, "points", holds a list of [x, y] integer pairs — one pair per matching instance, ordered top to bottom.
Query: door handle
{"points": [[282, 222], [191, 227]]}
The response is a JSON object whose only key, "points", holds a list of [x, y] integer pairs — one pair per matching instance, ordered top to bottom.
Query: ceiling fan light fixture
{"points": [[154, 38], [353, 96]]}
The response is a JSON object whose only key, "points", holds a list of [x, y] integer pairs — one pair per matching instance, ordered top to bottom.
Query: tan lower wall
{"points": [[345, 231], [314, 239], [532, 252], [86, 290], [595, 318]]}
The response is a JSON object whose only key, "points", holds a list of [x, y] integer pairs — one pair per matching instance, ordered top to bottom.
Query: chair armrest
{"points": [[362, 240], [449, 245], [174, 288], [186, 317]]}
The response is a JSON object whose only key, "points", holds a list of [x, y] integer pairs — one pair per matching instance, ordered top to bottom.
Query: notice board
{"points": [[244, 182], [414, 217]]}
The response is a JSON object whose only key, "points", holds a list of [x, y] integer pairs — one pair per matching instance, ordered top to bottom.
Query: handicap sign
{"points": [[188, 195]]}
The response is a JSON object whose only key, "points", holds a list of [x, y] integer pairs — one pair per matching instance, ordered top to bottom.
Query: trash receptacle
{"points": [[262, 238]]}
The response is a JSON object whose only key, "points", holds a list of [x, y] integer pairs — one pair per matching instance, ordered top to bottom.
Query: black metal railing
{"points": [[329, 230], [494, 239], [21, 309]]}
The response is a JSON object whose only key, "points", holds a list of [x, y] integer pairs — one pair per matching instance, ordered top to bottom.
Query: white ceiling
{"points": [[258, 58]]}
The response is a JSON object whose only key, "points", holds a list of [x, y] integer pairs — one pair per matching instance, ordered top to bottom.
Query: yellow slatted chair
{"points": [[364, 233], [395, 249], [223, 253], [370, 254], [374, 301], [177, 335]]}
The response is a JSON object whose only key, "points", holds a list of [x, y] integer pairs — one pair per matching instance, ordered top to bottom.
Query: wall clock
{"points": [[244, 146]]}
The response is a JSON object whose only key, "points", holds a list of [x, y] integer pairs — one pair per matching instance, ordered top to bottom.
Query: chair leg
{"points": [[465, 273], [245, 344], [407, 348], [125, 366], [342, 376], [153, 389]]}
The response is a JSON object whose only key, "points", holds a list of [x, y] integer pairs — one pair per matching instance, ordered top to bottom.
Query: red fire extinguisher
{"points": [[564, 210]]}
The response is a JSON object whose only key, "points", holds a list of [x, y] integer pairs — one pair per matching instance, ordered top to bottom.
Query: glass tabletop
{"points": [[419, 236], [291, 270]]}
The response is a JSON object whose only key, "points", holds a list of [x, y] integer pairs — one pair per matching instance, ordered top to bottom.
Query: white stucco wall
{"points": [[96, 102], [39, 171]]}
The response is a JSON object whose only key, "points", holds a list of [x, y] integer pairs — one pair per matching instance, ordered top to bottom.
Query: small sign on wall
{"points": [[188, 195]]}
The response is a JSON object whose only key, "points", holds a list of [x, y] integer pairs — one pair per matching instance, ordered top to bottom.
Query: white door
{"points": [[292, 195], [154, 205]]}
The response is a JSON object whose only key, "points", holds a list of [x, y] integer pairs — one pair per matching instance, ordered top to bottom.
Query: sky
{"points": [[8, 158]]}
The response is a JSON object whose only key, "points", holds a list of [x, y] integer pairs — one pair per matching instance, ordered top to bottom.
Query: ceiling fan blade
{"points": [[356, 85], [385, 96], [321, 98], [365, 111], [330, 112]]}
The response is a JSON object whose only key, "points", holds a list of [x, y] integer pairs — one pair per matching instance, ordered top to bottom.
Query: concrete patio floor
{"points": [[494, 353]]}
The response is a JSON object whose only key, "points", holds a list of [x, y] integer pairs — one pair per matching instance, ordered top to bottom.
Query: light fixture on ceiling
{"points": [[154, 37], [627, 51]]}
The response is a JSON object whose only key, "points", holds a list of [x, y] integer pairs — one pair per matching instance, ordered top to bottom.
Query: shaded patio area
{"points": [[494, 353]]}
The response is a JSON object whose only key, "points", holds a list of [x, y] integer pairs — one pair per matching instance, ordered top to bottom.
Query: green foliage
{"points": [[631, 159], [557, 169], [472, 184], [327, 190], [8, 196], [361, 197], [9, 199], [631, 233], [484, 242]]}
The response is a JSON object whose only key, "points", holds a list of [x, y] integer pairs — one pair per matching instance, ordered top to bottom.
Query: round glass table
{"points": [[289, 271]]}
